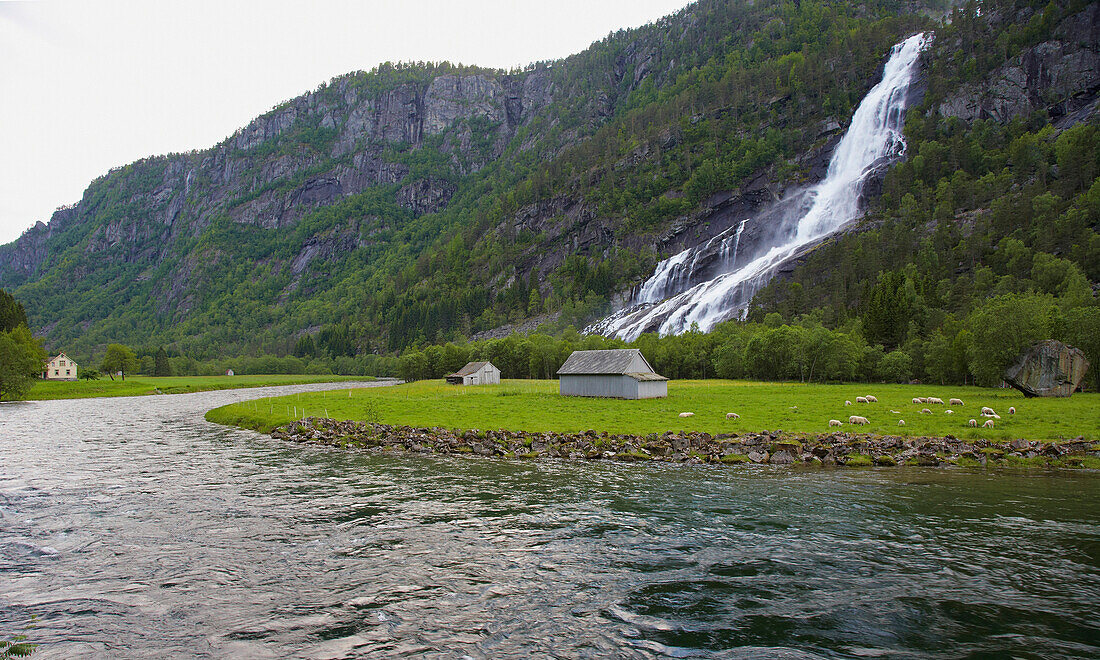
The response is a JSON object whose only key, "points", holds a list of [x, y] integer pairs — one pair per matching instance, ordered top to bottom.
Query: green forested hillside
{"points": [[317, 233]]}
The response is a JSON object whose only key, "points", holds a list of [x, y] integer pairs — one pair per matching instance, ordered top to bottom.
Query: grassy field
{"points": [[140, 385], [792, 407]]}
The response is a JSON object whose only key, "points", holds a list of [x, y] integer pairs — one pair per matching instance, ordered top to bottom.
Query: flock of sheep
{"points": [[931, 400]]}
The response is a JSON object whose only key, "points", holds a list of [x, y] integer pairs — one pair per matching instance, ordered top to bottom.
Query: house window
{"points": [[55, 372], [66, 372]]}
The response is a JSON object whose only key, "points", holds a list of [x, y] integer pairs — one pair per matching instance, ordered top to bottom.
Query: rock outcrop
{"points": [[1049, 368]]}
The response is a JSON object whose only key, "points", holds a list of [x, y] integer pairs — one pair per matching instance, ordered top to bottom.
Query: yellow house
{"points": [[60, 368]]}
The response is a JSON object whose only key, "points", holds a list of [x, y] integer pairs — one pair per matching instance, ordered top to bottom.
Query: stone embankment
{"points": [[775, 448]]}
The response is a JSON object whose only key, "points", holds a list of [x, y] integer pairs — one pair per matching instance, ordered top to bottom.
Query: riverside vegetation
{"points": [[448, 419]]}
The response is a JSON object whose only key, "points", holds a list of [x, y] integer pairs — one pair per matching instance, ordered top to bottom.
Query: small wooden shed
{"points": [[475, 373], [617, 373]]}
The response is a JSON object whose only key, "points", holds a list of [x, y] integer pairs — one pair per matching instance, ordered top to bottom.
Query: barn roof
{"points": [[613, 361], [471, 367]]}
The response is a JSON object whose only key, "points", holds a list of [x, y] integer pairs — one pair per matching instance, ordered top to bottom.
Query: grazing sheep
{"points": [[861, 399], [871, 399], [922, 399], [916, 400], [933, 400], [956, 402], [847, 403], [1012, 410], [925, 411], [987, 411], [895, 412], [949, 412], [687, 414], [733, 416], [856, 419], [835, 422], [901, 422], [972, 422], [988, 424]]}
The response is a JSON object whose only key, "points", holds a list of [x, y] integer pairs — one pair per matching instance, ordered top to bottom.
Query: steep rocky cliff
{"points": [[426, 202]]}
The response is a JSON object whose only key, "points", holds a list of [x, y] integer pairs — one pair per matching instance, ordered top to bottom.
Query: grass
{"points": [[141, 385], [531, 405]]}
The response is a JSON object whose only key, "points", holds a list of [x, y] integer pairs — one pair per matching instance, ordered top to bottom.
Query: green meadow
{"points": [[142, 385], [534, 405]]}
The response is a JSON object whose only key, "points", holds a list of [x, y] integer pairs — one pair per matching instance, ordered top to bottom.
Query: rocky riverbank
{"points": [[774, 448]]}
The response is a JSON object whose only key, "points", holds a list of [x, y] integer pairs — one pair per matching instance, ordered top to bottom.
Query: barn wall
{"points": [[609, 385], [653, 389]]}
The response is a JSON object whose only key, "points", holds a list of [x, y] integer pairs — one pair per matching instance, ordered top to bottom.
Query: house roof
{"points": [[62, 355], [620, 361], [471, 367], [641, 378]]}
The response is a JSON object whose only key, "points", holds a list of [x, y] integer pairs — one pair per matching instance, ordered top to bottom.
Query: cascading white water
{"points": [[875, 133]]}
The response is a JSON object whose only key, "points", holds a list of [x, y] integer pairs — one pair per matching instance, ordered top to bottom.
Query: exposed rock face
{"points": [[1062, 75], [1049, 368]]}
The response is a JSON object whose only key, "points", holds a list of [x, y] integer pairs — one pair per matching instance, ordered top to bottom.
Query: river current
{"points": [[133, 528]]}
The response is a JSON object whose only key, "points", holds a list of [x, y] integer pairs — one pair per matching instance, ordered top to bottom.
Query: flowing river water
{"points": [[133, 528]]}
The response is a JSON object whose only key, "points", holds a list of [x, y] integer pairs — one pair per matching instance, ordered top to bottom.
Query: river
{"points": [[133, 528]]}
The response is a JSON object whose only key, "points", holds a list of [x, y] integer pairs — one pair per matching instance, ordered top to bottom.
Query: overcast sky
{"points": [[87, 85]]}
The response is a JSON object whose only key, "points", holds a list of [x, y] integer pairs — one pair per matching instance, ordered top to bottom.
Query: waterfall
{"points": [[670, 301]]}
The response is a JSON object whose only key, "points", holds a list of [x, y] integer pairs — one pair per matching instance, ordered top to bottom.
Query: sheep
{"points": [[861, 399], [871, 399], [922, 399], [917, 400], [934, 401], [956, 402], [847, 403], [986, 410], [1012, 410], [925, 411], [895, 412], [949, 412], [687, 414], [733, 416], [856, 419], [835, 422], [901, 422], [972, 422], [988, 424]]}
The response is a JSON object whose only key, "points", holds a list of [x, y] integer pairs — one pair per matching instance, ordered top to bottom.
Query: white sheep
{"points": [[861, 399], [871, 399], [922, 399], [917, 400], [934, 401], [956, 402], [847, 403], [1012, 410], [925, 411], [987, 411], [895, 412], [949, 412], [687, 414], [733, 416], [856, 419], [835, 422], [901, 422], [972, 422], [988, 424]]}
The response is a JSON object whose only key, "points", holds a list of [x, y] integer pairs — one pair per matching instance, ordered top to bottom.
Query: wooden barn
{"points": [[475, 373], [618, 373]]}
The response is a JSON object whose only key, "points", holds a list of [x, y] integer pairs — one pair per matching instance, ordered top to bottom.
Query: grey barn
{"points": [[475, 373], [619, 373]]}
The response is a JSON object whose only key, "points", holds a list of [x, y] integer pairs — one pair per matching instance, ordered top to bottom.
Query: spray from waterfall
{"points": [[673, 298]]}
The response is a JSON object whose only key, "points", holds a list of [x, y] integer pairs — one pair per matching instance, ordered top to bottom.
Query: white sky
{"points": [[87, 85]]}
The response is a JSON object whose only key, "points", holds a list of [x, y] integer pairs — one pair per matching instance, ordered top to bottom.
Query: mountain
{"points": [[427, 202]]}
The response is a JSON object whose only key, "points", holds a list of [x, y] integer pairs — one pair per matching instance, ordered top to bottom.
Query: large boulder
{"points": [[1049, 368]]}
